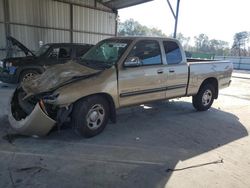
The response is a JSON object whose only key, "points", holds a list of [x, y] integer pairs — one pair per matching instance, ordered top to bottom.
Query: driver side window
{"points": [[148, 52]]}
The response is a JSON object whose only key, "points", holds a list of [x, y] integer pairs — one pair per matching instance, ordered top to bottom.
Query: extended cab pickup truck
{"points": [[115, 73]]}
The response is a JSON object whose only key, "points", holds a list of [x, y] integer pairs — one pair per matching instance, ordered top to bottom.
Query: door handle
{"points": [[171, 70], [160, 71]]}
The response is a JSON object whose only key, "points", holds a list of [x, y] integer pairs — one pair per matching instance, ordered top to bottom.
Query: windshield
{"points": [[42, 50], [106, 53]]}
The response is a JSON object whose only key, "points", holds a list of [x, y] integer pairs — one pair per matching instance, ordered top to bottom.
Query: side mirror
{"points": [[132, 62]]}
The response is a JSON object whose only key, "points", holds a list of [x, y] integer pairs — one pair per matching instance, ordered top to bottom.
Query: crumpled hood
{"points": [[55, 76]]}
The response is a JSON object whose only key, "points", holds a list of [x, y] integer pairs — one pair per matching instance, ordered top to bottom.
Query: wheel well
{"points": [[26, 70], [214, 82], [111, 104]]}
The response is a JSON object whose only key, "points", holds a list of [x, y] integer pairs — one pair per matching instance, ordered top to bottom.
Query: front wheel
{"points": [[27, 75], [204, 98], [90, 116]]}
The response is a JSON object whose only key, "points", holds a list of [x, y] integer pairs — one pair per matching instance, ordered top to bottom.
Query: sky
{"points": [[219, 19]]}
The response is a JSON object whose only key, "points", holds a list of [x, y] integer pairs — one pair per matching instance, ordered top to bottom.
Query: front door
{"points": [[147, 81]]}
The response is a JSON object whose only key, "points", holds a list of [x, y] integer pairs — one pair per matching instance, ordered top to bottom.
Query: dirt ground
{"points": [[164, 144]]}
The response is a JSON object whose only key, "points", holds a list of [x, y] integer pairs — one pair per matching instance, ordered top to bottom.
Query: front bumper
{"points": [[36, 123]]}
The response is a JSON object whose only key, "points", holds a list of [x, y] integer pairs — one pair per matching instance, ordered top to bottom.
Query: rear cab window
{"points": [[148, 52], [173, 52]]}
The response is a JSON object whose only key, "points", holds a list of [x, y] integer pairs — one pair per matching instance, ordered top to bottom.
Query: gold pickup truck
{"points": [[115, 73]]}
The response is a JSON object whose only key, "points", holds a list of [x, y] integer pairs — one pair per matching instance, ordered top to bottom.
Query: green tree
{"points": [[133, 28], [155, 32], [184, 41], [240, 41], [202, 43], [205, 45], [219, 47]]}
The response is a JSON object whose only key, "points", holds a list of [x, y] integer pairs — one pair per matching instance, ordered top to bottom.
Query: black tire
{"points": [[26, 73], [204, 98], [81, 116]]}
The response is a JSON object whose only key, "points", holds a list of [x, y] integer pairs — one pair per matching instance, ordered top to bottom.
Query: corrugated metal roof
{"points": [[118, 4], [1, 10], [44, 13], [32, 21], [95, 21], [2, 36], [30, 36], [88, 38]]}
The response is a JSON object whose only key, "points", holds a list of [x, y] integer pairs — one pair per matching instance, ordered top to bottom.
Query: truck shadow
{"points": [[146, 143]]}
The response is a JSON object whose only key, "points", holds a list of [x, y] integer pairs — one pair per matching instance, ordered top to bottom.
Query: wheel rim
{"points": [[28, 76], [207, 97], [95, 117]]}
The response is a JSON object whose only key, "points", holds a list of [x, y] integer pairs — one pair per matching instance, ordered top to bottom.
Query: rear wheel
{"points": [[28, 75], [204, 98], [90, 116]]}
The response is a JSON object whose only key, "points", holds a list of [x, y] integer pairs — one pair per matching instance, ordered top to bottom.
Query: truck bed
{"points": [[200, 70]]}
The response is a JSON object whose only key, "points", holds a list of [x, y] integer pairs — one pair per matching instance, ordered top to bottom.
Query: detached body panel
{"points": [[37, 123]]}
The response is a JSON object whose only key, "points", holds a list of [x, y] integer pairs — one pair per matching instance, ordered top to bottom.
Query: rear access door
{"points": [[177, 69]]}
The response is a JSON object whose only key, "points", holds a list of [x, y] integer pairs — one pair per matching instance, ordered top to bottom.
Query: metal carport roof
{"points": [[118, 4]]}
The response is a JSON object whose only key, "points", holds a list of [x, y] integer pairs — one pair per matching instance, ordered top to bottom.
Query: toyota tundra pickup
{"points": [[116, 73]]}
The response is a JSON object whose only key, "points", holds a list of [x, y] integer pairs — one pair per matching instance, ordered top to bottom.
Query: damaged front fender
{"points": [[29, 117], [37, 123]]}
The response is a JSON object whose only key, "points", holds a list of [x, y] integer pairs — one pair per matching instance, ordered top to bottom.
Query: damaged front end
{"points": [[34, 108], [36, 115], [31, 116]]}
